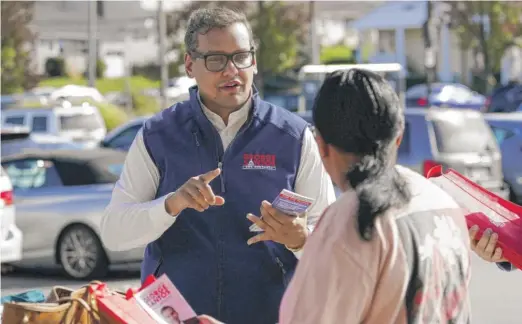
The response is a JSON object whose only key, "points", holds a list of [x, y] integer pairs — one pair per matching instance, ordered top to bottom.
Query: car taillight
{"points": [[422, 102], [487, 103], [427, 166], [7, 197]]}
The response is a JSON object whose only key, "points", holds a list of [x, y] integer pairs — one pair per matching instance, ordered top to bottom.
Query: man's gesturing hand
{"points": [[196, 194], [279, 227]]}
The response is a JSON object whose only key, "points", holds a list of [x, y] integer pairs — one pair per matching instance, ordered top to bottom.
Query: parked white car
{"points": [[82, 124], [11, 239]]}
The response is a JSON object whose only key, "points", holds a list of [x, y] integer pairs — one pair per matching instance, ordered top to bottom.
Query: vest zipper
{"points": [[196, 138], [221, 157], [220, 166], [280, 264], [158, 267]]}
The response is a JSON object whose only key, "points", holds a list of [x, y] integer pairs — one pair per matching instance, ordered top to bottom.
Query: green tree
{"points": [[488, 26], [279, 27], [16, 46], [337, 54]]}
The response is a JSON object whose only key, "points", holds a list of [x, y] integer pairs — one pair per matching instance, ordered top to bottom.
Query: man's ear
{"points": [[188, 65], [255, 65]]}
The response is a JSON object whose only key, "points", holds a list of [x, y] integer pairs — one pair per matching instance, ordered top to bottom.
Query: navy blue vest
{"points": [[206, 254]]}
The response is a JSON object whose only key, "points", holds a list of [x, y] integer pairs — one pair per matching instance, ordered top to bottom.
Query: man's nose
{"points": [[230, 69]]}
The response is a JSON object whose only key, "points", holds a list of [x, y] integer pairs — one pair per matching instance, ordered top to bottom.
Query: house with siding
{"points": [[398, 25]]}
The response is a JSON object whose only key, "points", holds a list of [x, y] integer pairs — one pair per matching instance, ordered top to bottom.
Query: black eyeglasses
{"points": [[218, 62]]}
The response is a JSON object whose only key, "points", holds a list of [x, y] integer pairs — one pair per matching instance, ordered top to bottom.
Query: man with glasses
{"points": [[198, 171]]}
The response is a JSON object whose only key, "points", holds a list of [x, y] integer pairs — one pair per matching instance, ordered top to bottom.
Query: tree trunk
{"points": [[484, 49], [259, 77]]}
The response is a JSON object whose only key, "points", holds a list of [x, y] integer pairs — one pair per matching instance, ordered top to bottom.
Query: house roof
{"points": [[342, 10], [392, 15]]}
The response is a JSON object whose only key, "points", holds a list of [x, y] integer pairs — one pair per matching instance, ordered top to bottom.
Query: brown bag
{"points": [[62, 306], [67, 310]]}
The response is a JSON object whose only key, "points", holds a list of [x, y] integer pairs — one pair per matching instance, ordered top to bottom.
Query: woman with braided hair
{"points": [[394, 247]]}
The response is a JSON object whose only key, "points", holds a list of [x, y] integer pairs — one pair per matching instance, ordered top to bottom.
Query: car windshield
{"points": [[80, 122], [463, 135]]}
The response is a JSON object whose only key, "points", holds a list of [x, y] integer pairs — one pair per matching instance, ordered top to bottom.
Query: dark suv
{"points": [[457, 139]]}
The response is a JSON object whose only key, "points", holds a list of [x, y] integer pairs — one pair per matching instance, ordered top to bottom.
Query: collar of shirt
{"points": [[235, 120]]}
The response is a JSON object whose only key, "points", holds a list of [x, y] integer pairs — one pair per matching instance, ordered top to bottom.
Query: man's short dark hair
{"points": [[203, 20], [359, 112], [168, 307]]}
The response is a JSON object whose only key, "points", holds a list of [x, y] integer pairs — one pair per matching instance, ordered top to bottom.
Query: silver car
{"points": [[507, 128], [457, 139], [60, 196]]}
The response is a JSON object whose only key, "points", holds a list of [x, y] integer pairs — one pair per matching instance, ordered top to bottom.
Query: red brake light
{"points": [[422, 102], [487, 103], [427, 166], [7, 197]]}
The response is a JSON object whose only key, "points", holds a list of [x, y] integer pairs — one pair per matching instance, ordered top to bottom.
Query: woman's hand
{"points": [[486, 247]]}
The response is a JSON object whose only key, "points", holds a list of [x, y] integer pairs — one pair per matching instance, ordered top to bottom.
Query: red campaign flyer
{"points": [[289, 203], [165, 304]]}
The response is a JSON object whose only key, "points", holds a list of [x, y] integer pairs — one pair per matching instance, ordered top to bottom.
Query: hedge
{"points": [[137, 83]]}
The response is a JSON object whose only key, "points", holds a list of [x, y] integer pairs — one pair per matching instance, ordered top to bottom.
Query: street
{"points": [[27, 279], [496, 296]]}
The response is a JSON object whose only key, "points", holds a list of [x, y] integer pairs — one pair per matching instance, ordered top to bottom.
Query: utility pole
{"points": [[92, 20], [162, 31], [127, 40], [315, 45], [430, 48]]}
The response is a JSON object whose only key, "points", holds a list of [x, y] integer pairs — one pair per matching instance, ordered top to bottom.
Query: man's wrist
{"points": [[170, 208], [299, 247], [292, 249]]}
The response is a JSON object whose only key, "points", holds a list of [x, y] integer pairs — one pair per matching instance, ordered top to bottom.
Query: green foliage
{"points": [[504, 22], [279, 29], [337, 53], [55, 67], [100, 68], [16, 72], [12, 75], [137, 83], [144, 105], [113, 115]]}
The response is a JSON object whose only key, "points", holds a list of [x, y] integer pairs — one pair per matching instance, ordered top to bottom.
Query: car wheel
{"points": [[81, 254]]}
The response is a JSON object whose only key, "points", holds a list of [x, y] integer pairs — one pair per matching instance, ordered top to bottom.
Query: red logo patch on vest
{"points": [[259, 161]]}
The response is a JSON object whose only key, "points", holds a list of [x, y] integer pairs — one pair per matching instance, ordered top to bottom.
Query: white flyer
{"points": [[289, 203], [165, 304]]}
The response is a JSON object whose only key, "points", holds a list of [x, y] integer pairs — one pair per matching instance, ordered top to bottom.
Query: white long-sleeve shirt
{"points": [[139, 219]]}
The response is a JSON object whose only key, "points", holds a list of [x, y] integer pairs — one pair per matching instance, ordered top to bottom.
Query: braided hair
{"points": [[358, 112]]}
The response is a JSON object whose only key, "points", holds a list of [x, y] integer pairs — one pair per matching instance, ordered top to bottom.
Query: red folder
{"points": [[486, 210]]}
